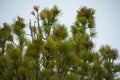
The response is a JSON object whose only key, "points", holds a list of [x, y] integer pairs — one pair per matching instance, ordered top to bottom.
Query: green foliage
{"points": [[18, 26], [60, 32], [5, 36], [48, 53], [108, 53]]}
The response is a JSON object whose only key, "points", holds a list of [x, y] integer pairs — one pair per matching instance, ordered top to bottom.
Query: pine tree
{"points": [[47, 52]]}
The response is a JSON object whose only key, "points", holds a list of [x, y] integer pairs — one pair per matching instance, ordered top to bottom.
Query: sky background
{"points": [[107, 15]]}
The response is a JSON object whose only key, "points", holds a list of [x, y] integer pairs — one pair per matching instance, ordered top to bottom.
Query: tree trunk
{"points": [[3, 50], [37, 70], [36, 74], [17, 75]]}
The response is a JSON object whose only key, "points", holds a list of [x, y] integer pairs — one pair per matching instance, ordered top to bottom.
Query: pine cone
{"points": [[36, 8], [33, 13], [89, 44]]}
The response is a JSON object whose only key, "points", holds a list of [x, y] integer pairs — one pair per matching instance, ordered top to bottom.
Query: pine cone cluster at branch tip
{"points": [[36, 8], [83, 11], [33, 13], [44, 15], [56, 33], [33, 41], [89, 44], [46, 46], [107, 51]]}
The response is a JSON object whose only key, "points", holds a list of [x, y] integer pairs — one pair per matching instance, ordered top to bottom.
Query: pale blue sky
{"points": [[107, 15]]}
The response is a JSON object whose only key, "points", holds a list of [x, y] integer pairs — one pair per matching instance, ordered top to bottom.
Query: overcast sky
{"points": [[107, 15]]}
